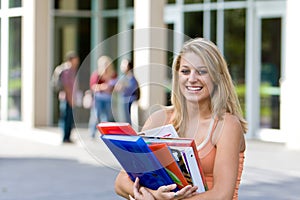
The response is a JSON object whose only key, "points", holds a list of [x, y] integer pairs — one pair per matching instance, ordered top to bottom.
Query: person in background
{"points": [[102, 83], [69, 85], [128, 87], [204, 107]]}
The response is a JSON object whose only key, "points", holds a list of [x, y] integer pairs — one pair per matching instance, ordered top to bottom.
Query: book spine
{"points": [[194, 170]]}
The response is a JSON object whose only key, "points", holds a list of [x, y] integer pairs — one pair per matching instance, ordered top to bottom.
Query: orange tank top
{"points": [[207, 154]]}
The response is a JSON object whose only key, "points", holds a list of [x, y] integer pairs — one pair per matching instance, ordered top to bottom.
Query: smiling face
{"points": [[194, 80]]}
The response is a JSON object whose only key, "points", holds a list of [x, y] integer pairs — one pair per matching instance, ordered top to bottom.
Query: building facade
{"points": [[252, 34]]}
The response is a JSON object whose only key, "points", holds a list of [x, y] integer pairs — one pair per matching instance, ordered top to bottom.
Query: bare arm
{"points": [[225, 173], [123, 185]]}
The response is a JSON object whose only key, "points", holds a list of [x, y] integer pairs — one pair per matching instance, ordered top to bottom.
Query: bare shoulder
{"points": [[158, 118], [231, 120], [229, 129]]}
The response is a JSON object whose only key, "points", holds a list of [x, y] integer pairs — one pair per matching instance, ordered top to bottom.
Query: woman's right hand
{"points": [[140, 193]]}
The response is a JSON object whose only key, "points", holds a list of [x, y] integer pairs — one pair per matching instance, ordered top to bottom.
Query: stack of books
{"points": [[157, 156]]}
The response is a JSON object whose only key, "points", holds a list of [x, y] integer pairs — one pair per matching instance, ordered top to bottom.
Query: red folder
{"points": [[116, 128]]}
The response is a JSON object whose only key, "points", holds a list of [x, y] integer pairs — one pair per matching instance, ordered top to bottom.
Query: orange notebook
{"points": [[116, 128], [184, 148], [165, 157]]}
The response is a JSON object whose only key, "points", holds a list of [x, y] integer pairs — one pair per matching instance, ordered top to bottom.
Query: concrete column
{"points": [[150, 52], [35, 55], [290, 107]]}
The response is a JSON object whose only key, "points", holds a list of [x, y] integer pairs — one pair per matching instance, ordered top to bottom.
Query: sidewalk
{"points": [[34, 165]]}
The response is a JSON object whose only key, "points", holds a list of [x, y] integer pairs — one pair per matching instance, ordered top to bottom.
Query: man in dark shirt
{"points": [[68, 78]]}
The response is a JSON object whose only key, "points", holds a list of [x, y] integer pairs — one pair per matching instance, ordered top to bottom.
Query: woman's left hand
{"points": [[185, 192]]}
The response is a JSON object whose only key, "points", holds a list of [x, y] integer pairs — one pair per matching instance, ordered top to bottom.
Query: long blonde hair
{"points": [[106, 67], [223, 99]]}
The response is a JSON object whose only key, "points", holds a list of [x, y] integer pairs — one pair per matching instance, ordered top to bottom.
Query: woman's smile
{"points": [[194, 88]]}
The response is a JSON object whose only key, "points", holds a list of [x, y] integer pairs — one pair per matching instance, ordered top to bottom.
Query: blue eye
{"points": [[185, 71], [202, 72]]}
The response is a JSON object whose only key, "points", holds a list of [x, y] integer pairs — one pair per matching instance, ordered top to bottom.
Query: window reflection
{"points": [[171, 1], [192, 1], [15, 3], [129, 3], [72, 4], [110, 4], [193, 24], [213, 27], [234, 49], [14, 69], [270, 73]]}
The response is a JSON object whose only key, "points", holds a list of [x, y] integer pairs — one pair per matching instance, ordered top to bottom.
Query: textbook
{"points": [[119, 128], [124, 128], [162, 131], [185, 153], [138, 160]]}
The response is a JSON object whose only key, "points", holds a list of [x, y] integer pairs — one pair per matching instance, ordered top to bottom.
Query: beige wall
{"points": [[149, 53], [35, 60]]}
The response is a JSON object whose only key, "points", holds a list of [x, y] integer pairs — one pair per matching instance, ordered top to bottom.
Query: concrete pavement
{"points": [[34, 165]]}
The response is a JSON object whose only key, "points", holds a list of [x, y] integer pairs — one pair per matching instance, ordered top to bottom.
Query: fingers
{"points": [[137, 183], [136, 186], [167, 188], [185, 192]]}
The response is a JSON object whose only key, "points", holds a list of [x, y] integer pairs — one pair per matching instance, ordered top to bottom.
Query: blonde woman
{"points": [[102, 83], [204, 107]]}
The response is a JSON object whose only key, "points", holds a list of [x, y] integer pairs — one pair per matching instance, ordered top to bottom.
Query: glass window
{"points": [[171, 1], [192, 1], [15, 3], [129, 3], [72, 4], [110, 4], [193, 24], [213, 27], [110, 28], [234, 48], [170, 57], [14, 69], [270, 73]]}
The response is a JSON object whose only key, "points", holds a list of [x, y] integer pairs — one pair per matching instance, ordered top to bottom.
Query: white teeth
{"points": [[194, 88]]}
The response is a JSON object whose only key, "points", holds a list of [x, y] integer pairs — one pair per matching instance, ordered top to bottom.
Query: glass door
{"points": [[269, 27]]}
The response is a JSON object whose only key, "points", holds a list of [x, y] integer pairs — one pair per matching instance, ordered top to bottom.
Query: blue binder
{"points": [[138, 160]]}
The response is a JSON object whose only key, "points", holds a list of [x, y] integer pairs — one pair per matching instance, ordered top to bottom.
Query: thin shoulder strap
{"points": [[209, 132]]}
